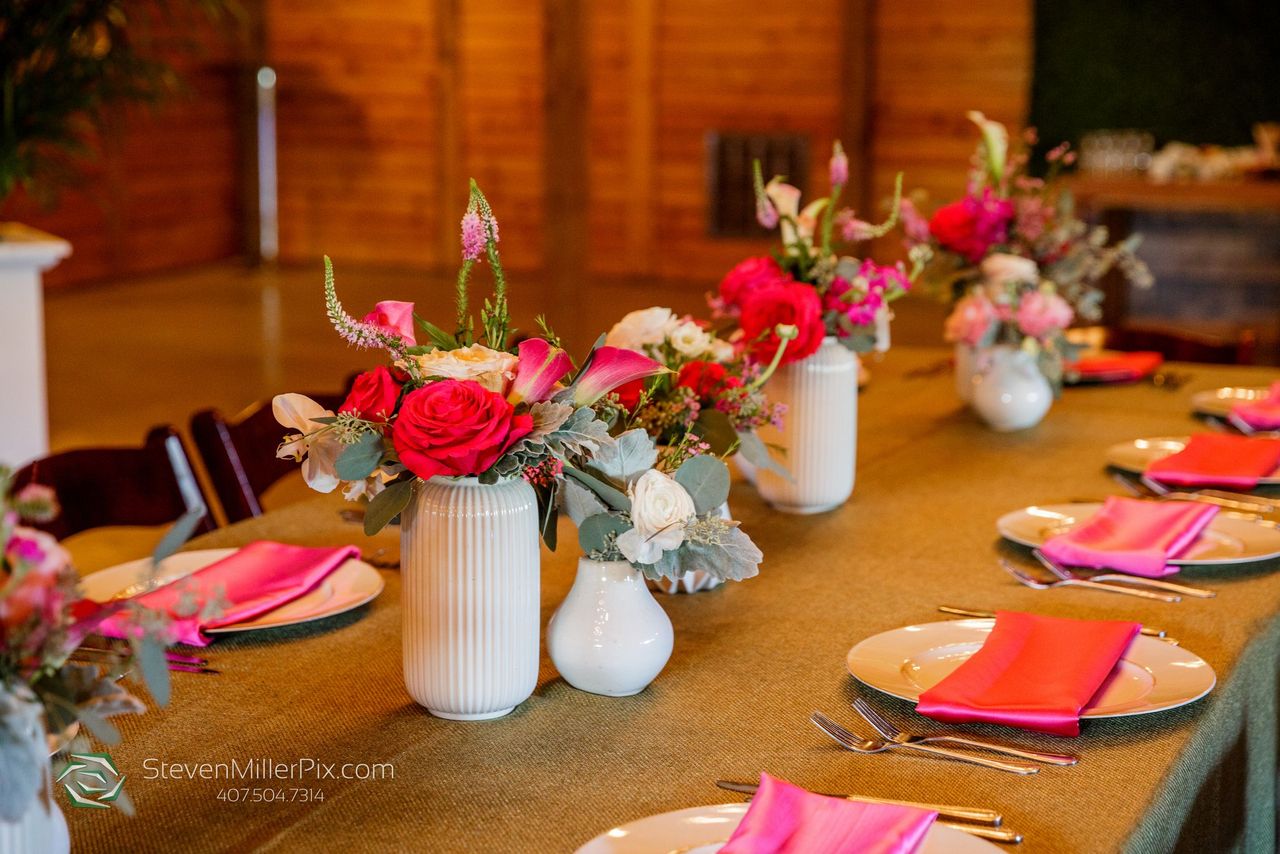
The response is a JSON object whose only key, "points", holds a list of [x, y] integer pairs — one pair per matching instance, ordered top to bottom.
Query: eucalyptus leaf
{"points": [[715, 428], [754, 451], [628, 456], [356, 462], [706, 479], [610, 495], [580, 502], [386, 505], [178, 533], [593, 533], [149, 654]]}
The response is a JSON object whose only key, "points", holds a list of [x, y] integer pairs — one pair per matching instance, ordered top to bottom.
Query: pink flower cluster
{"points": [[973, 225], [860, 299], [1039, 314], [36, 575]]}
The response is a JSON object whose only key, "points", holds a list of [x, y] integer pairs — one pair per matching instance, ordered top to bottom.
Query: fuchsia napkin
{"points": [[1115, 367], [1263, 413], [1219, 459], [1137, 537], [256, 579], [1033, 672], [786, 819]]}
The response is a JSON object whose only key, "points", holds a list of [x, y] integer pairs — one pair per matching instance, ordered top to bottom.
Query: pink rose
{"points": [[745, 278], [1042, 314], [393, 318], [971, 320], [455, 428]]}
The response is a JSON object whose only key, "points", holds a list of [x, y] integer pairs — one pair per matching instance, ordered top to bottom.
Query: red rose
{"points": [[972, 225], [745, 278], [789, 302], [707, 379], [629, 394], [373, 396], [455, 428]]}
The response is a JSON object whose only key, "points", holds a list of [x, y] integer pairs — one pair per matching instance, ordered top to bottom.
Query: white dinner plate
{"points": [[1219, 401], [1135, 456], [1227, 539], [349, 586], [1153, 675], [703, 830]]}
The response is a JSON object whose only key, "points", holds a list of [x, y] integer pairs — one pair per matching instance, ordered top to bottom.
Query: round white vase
{"points": [[966, 359], [1009, 392], [820, 434], [469, 560], [691, 582], [609, 636], [41, 827]]}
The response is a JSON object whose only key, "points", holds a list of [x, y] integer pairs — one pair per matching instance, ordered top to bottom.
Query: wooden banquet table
{"points": [[751, 662]]}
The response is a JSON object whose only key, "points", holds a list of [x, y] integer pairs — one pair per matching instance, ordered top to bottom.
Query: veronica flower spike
{"points": [[611, 367]]}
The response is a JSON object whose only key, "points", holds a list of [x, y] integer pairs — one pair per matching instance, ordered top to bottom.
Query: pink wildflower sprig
{"points": [[766, 213], [480, 242], [355, 332]]}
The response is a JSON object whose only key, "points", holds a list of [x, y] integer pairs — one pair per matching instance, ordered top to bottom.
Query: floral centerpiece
{"points": [[1021, 265], [834, 306], [712, 397], [467, 438], [44, 693]]}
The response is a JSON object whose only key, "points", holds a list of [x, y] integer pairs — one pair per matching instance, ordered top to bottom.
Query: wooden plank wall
{"points": [[386, 109], [164, 189]]}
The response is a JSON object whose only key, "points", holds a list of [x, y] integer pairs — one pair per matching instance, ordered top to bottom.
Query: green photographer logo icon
{"points": [[91, 780]]}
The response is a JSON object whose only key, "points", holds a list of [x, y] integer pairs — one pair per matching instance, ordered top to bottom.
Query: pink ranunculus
{"points": [[746, 277], [1041, 314], [393, 318], [970, 320], [539, 368], [455, 428]]}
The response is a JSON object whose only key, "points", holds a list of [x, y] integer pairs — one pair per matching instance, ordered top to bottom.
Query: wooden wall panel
{"points": [[163, 190]]}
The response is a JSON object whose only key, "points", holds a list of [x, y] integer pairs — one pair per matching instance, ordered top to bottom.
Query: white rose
{"points": [[1000, 269], [640, 328], [689, 339], [722, 351], [492, 369], [660, 508]]}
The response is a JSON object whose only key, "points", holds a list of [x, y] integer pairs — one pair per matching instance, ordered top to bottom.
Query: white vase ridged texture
{"points": [[1009, 391], [820, 431], [691, 582], [471, 620], [609, 636], [42, 828]]}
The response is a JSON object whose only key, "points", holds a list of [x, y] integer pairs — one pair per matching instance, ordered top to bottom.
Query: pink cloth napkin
{"points": [[1115, 367], [1263, 413], [1219, 459], [1137, 537], [256, 579], [1033, 672], [786, 819]]}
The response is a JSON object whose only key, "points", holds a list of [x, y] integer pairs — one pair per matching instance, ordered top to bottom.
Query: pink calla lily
{"points": [[611, 367], [539, 368]]}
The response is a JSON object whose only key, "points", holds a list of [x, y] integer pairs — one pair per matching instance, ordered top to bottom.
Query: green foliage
{"points": [[64, 64], [715, 428], [607, 493], [387, 505], [597, 534]]}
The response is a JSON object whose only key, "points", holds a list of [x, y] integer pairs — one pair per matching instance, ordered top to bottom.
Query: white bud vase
{"points": [[1009, 391], [820, 432], [469, 559], [691, 582], [609, 636], [41, 827]]}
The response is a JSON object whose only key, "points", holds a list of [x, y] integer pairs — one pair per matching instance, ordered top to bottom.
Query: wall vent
{"points": [[731, 206]]}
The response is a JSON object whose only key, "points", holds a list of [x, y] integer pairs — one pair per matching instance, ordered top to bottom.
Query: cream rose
{"points": [[1000, 269], [640, 328], [689, 339], [722, 351], [492, 369], [660, 509]]}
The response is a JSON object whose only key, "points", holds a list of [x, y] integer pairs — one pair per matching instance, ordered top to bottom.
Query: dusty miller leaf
{"points": [[582, 434], [628, 456], [580, 502]]}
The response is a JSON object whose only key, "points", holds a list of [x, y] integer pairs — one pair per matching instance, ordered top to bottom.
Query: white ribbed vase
{"points": [[820, 432], [469, 560], [691, 582], [609, 636], [42, 827]]}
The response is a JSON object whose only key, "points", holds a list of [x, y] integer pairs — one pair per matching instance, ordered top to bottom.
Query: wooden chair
{"points": [[1181, 345], [239, 453], [104, 487]]}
